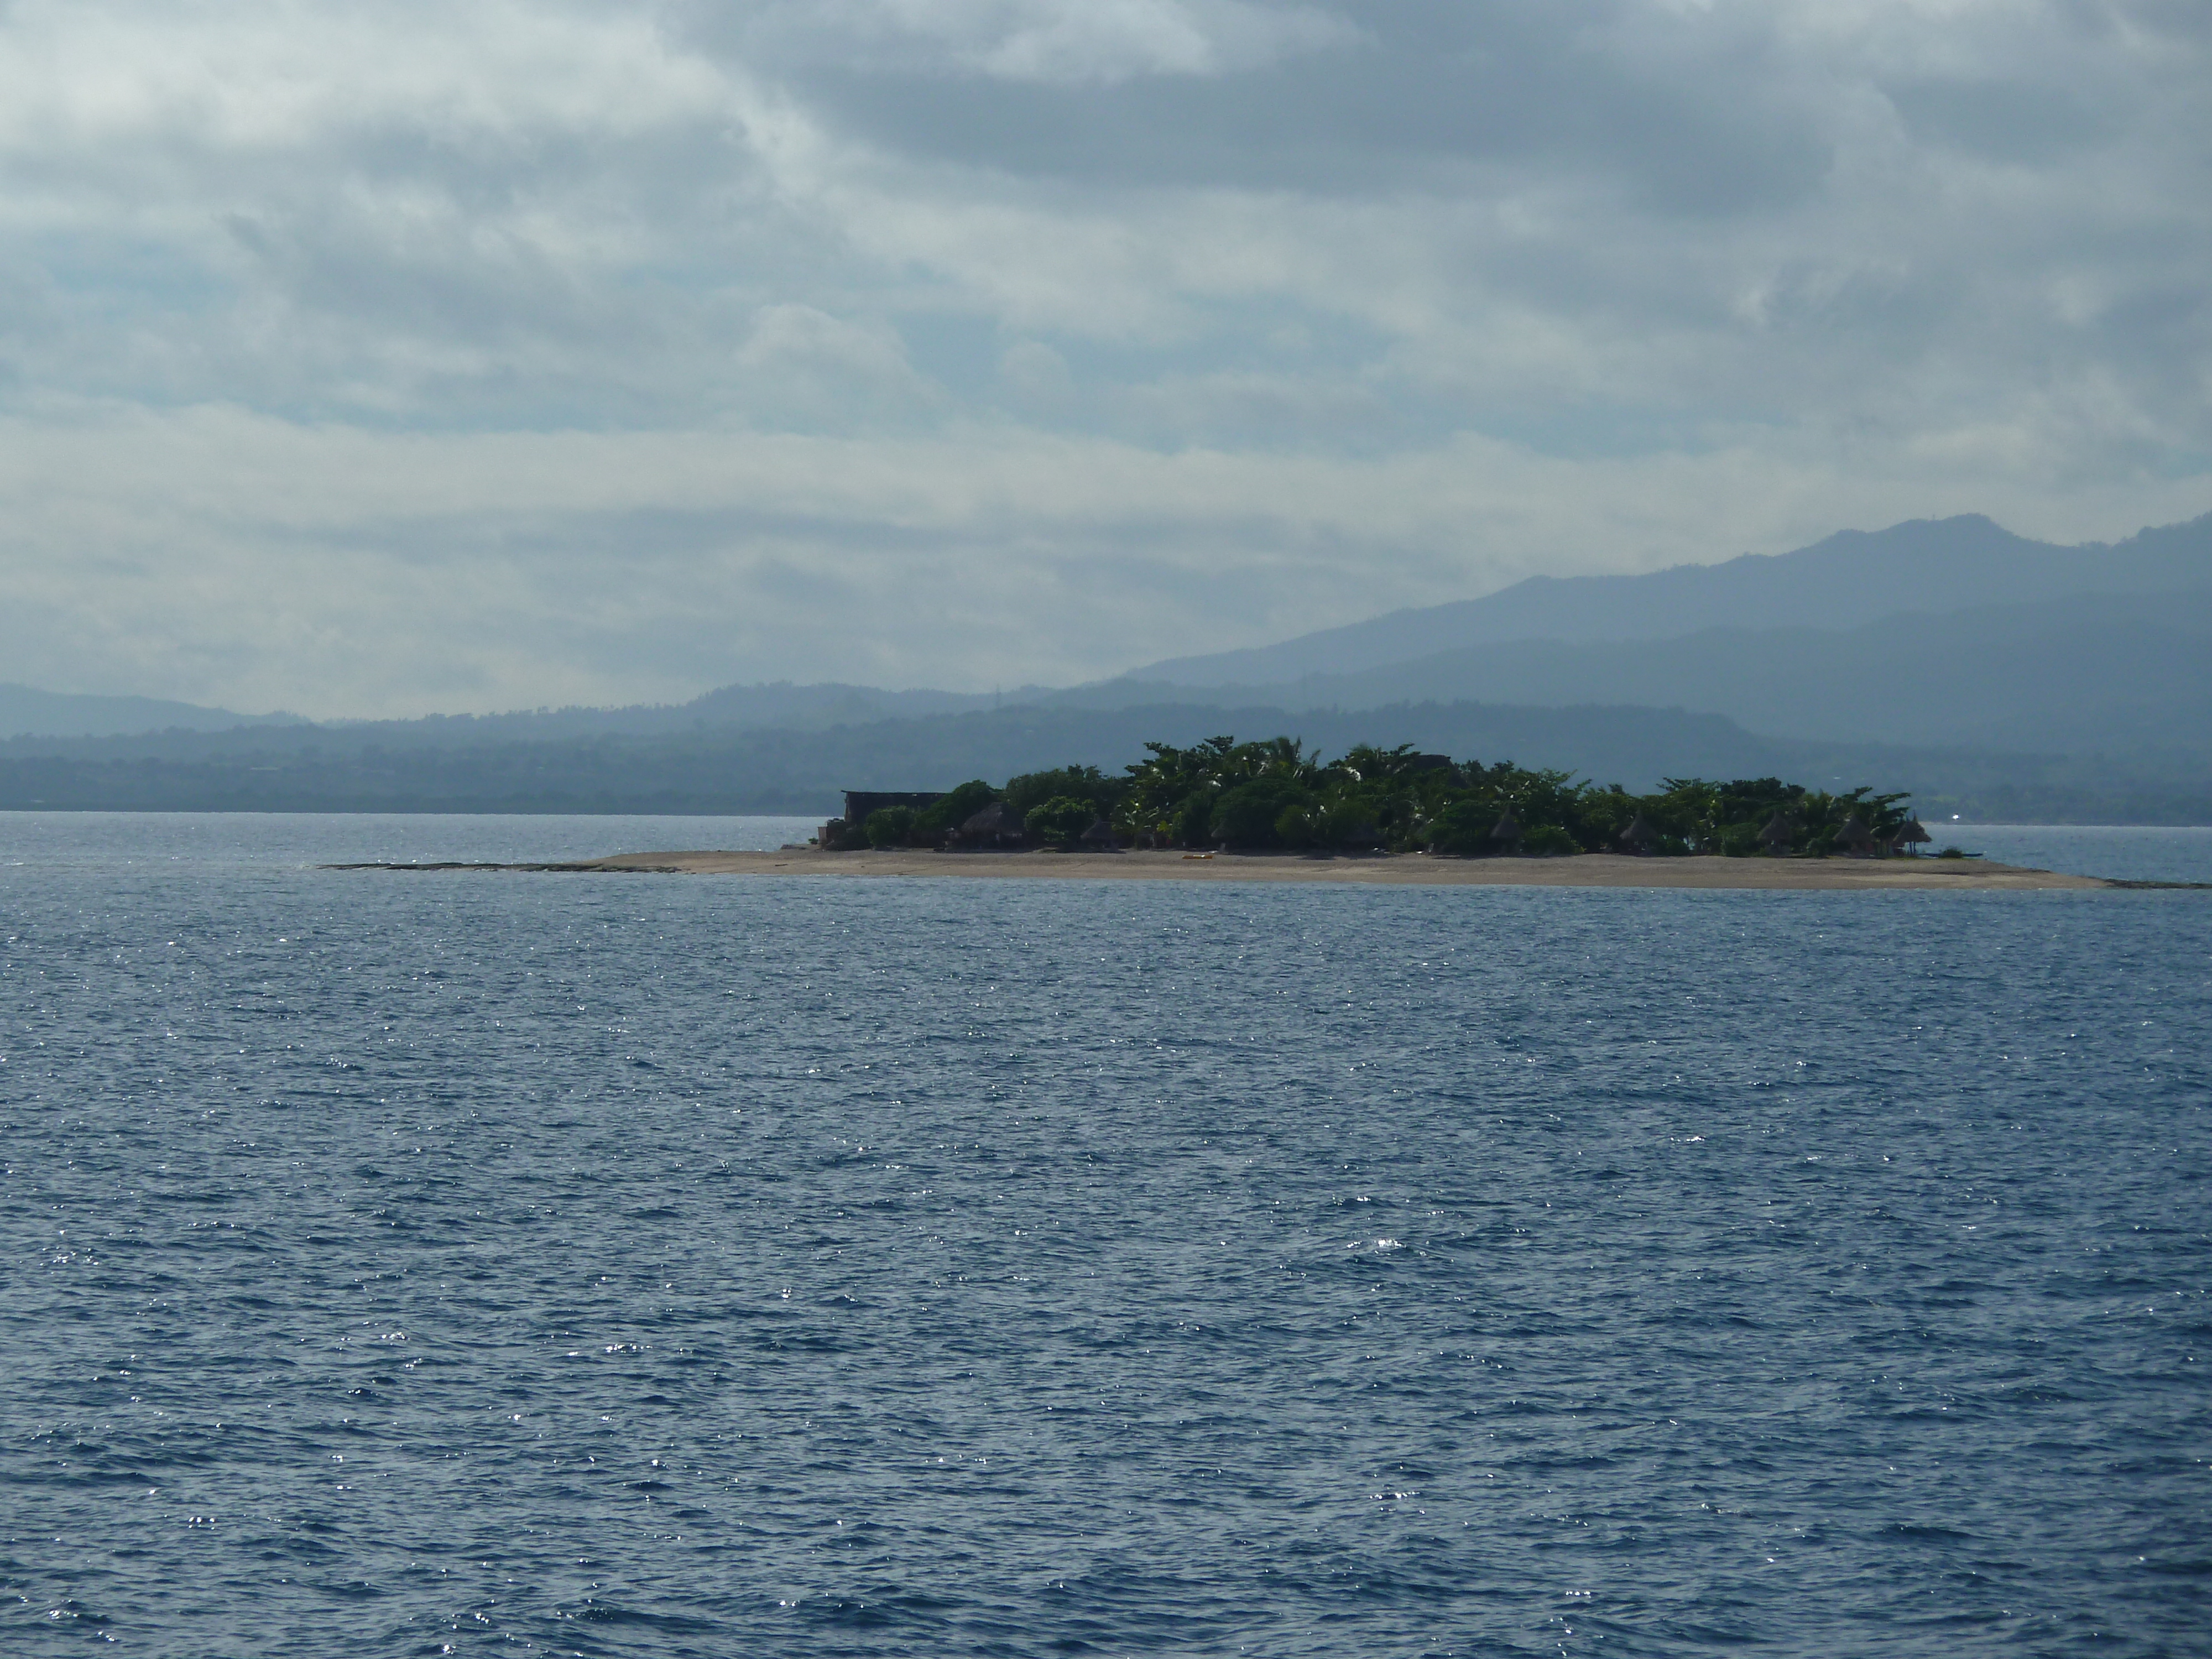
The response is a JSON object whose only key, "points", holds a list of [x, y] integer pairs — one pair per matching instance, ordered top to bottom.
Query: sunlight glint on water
{"points": [[663, 1266]]}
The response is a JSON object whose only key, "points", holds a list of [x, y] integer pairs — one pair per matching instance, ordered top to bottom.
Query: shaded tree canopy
{"points": [[1274, 794]]}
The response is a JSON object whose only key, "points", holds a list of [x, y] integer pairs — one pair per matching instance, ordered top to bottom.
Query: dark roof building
{"points": [[859, 803], [996, 825], [1853, 837], [1639, 838]]}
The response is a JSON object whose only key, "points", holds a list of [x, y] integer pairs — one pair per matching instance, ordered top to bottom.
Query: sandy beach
{"points": [[1408, 869]]}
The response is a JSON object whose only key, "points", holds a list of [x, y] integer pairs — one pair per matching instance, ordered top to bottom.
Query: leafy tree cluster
{"points": [[1273, 795]]}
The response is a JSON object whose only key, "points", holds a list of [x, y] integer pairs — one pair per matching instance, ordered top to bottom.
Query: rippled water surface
{"points": [[2120, 852], [661, 1265]]}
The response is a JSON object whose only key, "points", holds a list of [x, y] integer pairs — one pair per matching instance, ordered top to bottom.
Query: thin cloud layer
{"points": [[419, 357]]}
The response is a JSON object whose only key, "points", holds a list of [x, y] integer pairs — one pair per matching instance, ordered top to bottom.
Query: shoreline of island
{"points": [[1374, 870]]}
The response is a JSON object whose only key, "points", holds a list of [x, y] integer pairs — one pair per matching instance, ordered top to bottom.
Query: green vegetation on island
{"points": [[1274, 796]]}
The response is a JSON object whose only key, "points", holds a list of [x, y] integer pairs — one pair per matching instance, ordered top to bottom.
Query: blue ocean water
{"points": [[2123, 852], [677, 1265]]}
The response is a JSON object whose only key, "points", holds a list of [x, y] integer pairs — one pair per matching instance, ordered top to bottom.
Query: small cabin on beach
{"points": [[859, 803]]}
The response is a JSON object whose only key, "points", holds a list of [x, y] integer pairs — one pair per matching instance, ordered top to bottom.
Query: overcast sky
{"points": [[391, 358]]}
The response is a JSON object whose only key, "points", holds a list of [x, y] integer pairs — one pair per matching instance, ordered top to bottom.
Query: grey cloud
{"points": [[2174, 23], [1056, 42], [1425, 93], [2027, 124], [1740, 271], [809, 370]]}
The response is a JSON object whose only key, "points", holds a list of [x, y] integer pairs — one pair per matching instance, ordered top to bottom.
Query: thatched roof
{"points": [[996, 819], [1508, 828], [1780, 831], [1913, 832], [1852, 834], [1101, 835], [1639, 836]]}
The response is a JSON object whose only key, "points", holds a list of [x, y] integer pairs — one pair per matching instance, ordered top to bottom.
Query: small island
{"points": [[1271, 797], [1226, 810]]}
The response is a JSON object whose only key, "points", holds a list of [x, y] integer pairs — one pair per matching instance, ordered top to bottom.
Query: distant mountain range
{"points": [[1925, 566], [1950, 632], [1991, 673], [2090, 674], [26, 711], [729, 769]]}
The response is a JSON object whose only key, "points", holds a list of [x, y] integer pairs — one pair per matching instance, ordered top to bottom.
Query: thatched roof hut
{"points": [[996, 825], [1506, 834], [1778, 835], [1910, 835], [1100, 838], [1639, 838], [1854, 838]]}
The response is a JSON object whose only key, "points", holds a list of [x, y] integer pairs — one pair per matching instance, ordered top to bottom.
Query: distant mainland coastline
{"points": [[498, 767]]}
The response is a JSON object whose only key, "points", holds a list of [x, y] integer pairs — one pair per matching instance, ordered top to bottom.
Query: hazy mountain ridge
{"points": [[1954, 566], [1855, 577], [2085, 674], [2030, 694], [774, 703], [798, 708], [26, 710], [812, 765]]}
